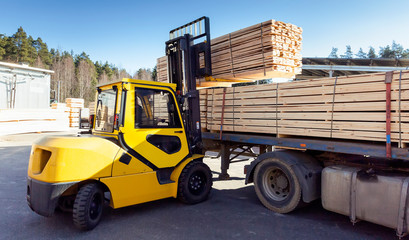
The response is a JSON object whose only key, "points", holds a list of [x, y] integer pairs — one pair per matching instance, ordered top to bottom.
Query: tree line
{"points": [[395, 51], [75, 75]]}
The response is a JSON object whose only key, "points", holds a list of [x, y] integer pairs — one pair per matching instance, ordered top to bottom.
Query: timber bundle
{"points": [[266, 50], [350, 107]]}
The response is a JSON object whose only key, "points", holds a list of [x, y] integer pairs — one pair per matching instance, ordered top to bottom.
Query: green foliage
{"points": [[3, 41], [23, 46], [11, 50], [395, 50], [32, 51], [348, 52], [385, 52], [43, 53], [371, 53], [361, 54]]}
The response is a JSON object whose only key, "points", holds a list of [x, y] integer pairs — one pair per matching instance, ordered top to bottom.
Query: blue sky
{"points": [[131, 34]]}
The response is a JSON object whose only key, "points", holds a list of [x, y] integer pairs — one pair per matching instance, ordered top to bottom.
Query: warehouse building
{"points": [[25, 87]]}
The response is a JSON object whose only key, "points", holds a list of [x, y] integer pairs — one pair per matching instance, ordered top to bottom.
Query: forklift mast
{"points": [[189, 58]]}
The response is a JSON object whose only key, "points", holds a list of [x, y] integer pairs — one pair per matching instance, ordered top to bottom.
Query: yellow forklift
{"points": [[145, 142]]}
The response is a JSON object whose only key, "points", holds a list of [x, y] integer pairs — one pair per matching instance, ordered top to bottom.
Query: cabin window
{"points": [[155, 109], [105, 113]]}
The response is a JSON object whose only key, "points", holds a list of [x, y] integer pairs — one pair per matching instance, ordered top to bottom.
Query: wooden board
{"points": [[350, 107]]}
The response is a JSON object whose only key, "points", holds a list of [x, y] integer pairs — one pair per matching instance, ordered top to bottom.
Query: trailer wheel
{"points": [[195, 183], [277, 186], [88, 206]]}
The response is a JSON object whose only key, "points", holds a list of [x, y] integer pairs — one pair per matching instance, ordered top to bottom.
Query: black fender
{"points": [[306, 167], [42, 197]]}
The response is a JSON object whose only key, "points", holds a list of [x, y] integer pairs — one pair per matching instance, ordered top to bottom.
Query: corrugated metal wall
{"points": [[24, 88]]}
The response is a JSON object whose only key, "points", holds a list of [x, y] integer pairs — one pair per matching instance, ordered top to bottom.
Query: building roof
{"points": [[25, 67], [324, 67]]}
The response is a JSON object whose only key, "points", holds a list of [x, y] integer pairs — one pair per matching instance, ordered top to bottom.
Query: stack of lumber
{"points": [[266, 50], [162, 69], [203, 98], [75, 105], [60, 106], [91, 107], [351, 107], [15, 121]]}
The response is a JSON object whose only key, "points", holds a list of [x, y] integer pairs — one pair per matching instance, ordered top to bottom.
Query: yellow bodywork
{"points": [[72, 159], [78, 159], [143, 187]]}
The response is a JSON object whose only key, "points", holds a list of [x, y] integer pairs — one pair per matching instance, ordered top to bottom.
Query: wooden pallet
{"points": [[345, 107]]}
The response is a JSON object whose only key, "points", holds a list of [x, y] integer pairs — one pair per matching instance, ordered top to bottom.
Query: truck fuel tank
{"points": [[379, 198]]}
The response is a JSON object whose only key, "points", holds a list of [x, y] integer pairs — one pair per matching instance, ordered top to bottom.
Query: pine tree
{"points": [[3, 41], [22, 44], [11, 50], [397, 50], [32, 51], [43, 52], [348, 52], [385, 52], [333, 53], [371, 53], [361, 54], [108, 70]]}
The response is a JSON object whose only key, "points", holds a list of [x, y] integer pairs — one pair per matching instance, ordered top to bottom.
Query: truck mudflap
{"points": [[42, 197]]}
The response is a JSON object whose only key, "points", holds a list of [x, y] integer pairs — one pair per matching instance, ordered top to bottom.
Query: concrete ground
{"points": [[232, 212]]}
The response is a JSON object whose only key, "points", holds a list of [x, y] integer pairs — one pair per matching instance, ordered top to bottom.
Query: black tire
{"points": [[195, 183], [277, 186], [88, 206]]}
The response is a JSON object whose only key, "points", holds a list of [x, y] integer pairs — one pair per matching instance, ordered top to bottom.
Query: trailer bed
{"points": [[376, 150]]}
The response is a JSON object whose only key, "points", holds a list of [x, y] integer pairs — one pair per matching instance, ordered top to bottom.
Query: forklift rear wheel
{"points": [[195, 183], [277, 186], [88, 206]]}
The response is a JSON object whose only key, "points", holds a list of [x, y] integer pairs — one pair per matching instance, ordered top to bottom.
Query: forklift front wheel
{"points": [[195, 183], [88, 206]]}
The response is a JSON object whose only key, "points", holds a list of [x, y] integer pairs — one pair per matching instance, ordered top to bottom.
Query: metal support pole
{"points": [[331, 72], [388, 81], [58, 91], [263, 149], [225, 161]]}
